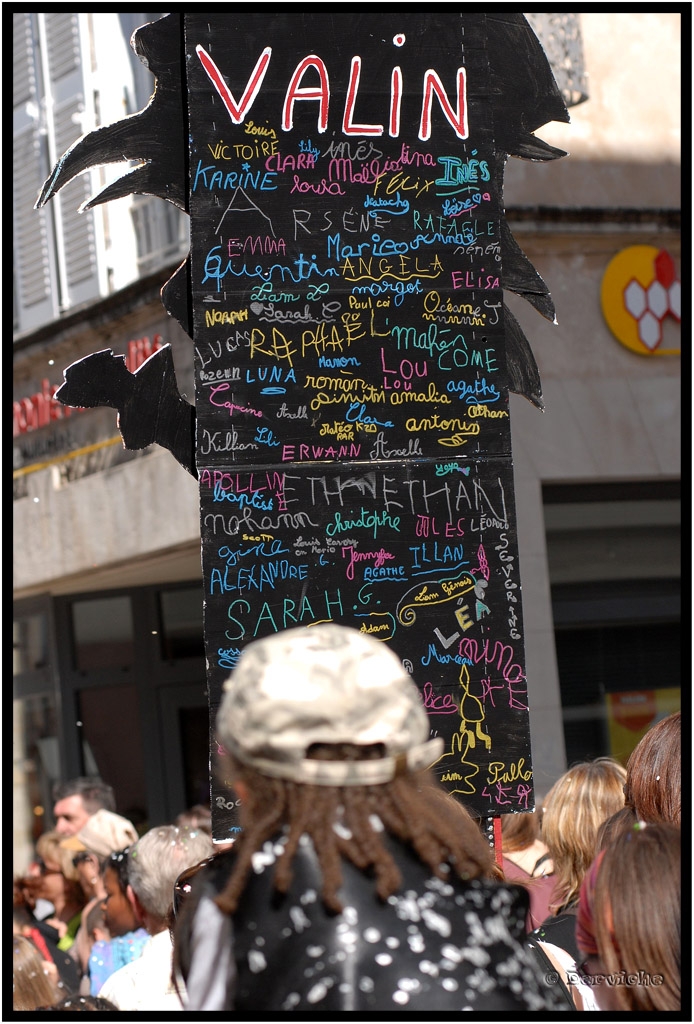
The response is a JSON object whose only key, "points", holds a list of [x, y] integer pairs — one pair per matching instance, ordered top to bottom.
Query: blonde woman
{"points": [[575, 808], [59, 883], [34, 980]]}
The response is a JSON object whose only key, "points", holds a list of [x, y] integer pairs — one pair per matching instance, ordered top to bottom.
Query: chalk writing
{"points": [[358, 259]]}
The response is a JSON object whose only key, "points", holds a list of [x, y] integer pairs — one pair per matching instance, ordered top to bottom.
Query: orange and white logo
{"points": [[640, 288]]}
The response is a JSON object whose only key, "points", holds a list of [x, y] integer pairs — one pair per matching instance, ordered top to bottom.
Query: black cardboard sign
{"points": [[353, 434]]}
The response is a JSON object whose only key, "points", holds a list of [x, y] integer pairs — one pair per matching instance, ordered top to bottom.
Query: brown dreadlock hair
{"points": [[412, 807]]}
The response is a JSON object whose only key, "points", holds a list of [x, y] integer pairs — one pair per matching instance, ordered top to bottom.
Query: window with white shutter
{"points": [[62, 36], [64, 68], [23, 71], [79, 250], [35, 291]]}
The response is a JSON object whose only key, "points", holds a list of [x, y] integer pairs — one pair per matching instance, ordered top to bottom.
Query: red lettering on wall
{"points": [[141, 349], [37, 410]]}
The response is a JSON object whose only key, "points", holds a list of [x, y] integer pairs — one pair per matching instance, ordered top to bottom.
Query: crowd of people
{"points": [[357, 882], [93, 915]]}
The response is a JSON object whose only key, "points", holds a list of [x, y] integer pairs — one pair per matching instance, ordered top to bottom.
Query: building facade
{"points": [[109, 672]]}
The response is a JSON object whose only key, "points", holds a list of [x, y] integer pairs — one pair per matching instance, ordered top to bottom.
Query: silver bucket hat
{"points": [[324, 684]]}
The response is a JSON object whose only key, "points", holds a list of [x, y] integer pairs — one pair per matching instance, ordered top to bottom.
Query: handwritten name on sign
{"points": [[353, 435], [430, 569]]}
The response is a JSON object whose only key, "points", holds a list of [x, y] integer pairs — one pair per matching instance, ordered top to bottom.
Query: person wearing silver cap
{"points": [[357, 883]]}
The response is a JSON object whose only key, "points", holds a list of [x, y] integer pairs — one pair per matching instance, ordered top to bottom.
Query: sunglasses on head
{"points": [[80, 858]]}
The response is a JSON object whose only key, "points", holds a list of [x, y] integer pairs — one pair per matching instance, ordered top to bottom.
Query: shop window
{"points": [[614, 561], [181, 624], [102, 630], [617, 680], [109, 727], [195, 746]]}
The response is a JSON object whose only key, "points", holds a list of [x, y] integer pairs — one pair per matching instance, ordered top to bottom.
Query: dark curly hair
{"points": [[413, 808], [118, 862]]}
